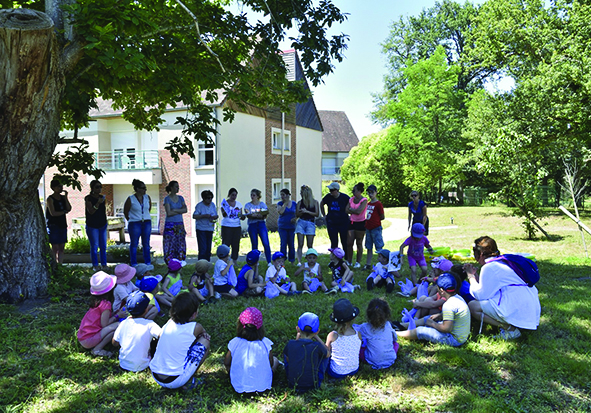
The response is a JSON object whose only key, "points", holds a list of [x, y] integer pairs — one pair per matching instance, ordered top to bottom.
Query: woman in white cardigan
{"points": [[501, 297]]}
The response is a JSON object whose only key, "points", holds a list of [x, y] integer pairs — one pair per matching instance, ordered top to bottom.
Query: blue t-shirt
{"points": [[175, 205], [417, 214], [284, 221], [204, 224], [465, 292]]}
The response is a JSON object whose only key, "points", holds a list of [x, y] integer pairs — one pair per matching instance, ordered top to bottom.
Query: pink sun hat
{"points": [[338, 252], [124, 273], [101, 283], [251, 315]]}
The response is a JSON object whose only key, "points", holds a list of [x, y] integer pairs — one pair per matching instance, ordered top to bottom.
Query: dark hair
{"points": [[54, 183], [94, 183], [136, 183], [169, 186], [360, 187], [232, 190], [285, 191], [257, 192], [206, 194], [486, 246], [458, 269], [95, 300], [183, 307], [378, 313], [249, 332]]}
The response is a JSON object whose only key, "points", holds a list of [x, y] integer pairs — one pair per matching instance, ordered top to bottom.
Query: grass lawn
{"points": [[43, 368]]}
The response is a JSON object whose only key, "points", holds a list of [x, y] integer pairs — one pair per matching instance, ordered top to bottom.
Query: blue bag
{"points": [[525, 268]]}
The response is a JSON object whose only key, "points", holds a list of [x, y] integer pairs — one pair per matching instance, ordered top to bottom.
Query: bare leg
{"points": [[359, 235], [350, 242], [300, 247], [369, 256], [413, 274], [152, 313], [477, 313], [107, 334]]}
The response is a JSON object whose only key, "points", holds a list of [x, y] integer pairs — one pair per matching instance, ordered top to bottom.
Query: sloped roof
{"points": [[338, 135]]}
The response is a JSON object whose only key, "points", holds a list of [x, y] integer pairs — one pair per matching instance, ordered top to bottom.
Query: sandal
{"points": [[101, 353]]}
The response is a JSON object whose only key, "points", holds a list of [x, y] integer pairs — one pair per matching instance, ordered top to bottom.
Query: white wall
{"points": [[241, 154], [309, 161]]}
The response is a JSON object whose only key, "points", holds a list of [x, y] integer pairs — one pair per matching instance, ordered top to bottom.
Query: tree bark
{"points": [[31, 83]]}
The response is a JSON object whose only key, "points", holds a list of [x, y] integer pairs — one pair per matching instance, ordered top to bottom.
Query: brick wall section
{"points": [[273, 167], [180, 172], [77, 197]]}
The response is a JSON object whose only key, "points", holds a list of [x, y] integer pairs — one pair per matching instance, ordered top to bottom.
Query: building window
{"points": [[276, 141], [205, 154], [330, 164], [277, 187]]}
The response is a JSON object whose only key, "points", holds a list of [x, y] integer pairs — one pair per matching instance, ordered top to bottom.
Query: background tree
{"points": [[143, 56]]}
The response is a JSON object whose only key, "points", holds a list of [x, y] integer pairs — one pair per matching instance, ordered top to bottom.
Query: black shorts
{"points": [[357, 226], [223, 289]]}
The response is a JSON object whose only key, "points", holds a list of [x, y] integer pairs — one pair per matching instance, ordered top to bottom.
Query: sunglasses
{"points": [[414, 196]]}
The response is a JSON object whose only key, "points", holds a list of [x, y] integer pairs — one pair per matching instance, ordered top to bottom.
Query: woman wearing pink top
{"points": [[357, 207]]}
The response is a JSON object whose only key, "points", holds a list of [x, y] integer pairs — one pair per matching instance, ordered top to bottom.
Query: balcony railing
{"points": [[118, 160], [331, 170]]}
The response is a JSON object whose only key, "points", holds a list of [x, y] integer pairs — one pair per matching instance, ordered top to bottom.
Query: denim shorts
{"points": [[305, 227], [374, 237], [434, 336]]}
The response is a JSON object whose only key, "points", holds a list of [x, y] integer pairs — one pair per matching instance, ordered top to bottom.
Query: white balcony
{"points": [[123, 166]]}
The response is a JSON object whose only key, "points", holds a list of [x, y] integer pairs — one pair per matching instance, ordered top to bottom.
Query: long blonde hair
{"points": [[307, 197]]}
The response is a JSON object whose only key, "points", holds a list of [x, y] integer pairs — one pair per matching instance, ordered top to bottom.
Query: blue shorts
{"points": [[305, 227], [57, 235], [374, 237], [434, 336]]}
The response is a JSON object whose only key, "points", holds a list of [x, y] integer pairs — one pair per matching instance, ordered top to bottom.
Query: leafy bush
{"points": [[78, 245], [120, 252]]}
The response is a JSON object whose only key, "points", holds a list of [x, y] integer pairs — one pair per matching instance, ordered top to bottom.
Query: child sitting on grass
{"points": [[416, 244], [439, 266], [312, 273], [383, 273], [224, 276], [342, 276], [276, 277], [173, 283], [200, 283], [250, 283], [150, 286], [124, 287], [99, 324], [454, 327], [135, 334], [344, 343], [380, 346], [182, 347], [305, 358], [249, 359]]}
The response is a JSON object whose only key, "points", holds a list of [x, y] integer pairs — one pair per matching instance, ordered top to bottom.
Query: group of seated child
{"points": [[122, 313]]}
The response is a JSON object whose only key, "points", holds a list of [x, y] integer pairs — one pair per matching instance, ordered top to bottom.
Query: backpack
{"points": [[525, 268]]}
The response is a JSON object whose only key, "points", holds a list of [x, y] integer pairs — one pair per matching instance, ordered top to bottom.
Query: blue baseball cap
{"points": [[223, 251], [384, 253], [277, 255], [253, 256], [447, 282], [147, 284], [137, 302], [309, 322]]}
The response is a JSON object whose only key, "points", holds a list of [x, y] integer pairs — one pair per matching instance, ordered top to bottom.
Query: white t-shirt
{"points": [[232, 218], [271, 271], [219, 279], [121, 292], [135, 335], [172, 348], [250, 370]]}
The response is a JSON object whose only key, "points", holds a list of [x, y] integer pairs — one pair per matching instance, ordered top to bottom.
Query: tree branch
{"points": [[199, 34]]}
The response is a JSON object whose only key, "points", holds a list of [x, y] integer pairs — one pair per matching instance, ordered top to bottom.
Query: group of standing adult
{"points": [[347, 218]]}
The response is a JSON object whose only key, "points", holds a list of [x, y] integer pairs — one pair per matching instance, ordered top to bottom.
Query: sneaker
{"points": [[299, 264], [357, 265], [367, 267], [96, 268], [356, 287], [333, 290], [306, 292], [403, 294], [217, 296], [397, 326], [508, 335]]}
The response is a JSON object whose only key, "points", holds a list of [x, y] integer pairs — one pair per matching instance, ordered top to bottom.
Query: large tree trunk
{"points": [[31, 83]]}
